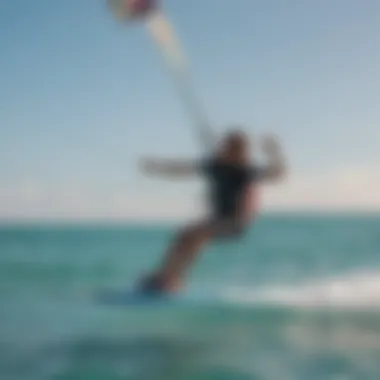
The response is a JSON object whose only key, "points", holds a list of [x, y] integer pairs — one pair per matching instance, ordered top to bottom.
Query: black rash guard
{"points": [[227, 184]]}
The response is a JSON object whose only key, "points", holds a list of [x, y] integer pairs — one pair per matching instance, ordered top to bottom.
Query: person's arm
{"points": [[169, 168], [275, 168]]}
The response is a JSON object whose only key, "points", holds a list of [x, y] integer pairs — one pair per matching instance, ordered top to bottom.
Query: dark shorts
{"points": [[227, 227], [218, 228]]}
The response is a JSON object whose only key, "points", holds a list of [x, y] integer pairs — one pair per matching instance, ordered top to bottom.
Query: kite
{"points": [[132, 9], [149, 13]]}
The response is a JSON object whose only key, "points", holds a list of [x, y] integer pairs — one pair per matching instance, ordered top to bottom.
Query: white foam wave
{"points": [[356, 291]]}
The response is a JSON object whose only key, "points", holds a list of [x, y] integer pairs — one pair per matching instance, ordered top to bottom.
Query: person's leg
{"points": [[184, 250], [179, 257]]}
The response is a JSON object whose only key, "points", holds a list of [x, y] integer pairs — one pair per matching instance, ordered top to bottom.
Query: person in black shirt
{"points": [[232, 181]]}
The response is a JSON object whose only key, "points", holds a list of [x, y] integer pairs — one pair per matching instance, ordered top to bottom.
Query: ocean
{"points": [[300, 301]]}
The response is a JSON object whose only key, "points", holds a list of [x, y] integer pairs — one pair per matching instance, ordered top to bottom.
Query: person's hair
{"points": [[235, 145]]}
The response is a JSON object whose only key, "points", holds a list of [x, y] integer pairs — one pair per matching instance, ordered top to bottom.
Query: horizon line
{"points": [[5, 222]]}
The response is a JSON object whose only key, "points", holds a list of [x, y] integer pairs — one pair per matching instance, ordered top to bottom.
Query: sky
{"points": [[83, 97]]}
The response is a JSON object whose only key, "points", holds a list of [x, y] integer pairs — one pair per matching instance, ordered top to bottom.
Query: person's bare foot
{"points": [[157, 284]]}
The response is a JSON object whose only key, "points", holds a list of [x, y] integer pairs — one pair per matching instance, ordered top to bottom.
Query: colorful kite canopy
{"points": [[132, 9]]}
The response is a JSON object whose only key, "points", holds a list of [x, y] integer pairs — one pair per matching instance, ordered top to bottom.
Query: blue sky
{"points": [[83, 97]]}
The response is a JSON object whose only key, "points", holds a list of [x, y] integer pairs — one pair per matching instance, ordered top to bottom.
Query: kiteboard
{"points": [[129, 298]]}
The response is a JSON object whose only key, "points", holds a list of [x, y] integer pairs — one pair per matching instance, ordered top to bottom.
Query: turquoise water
{"points": [[300, 299]]}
